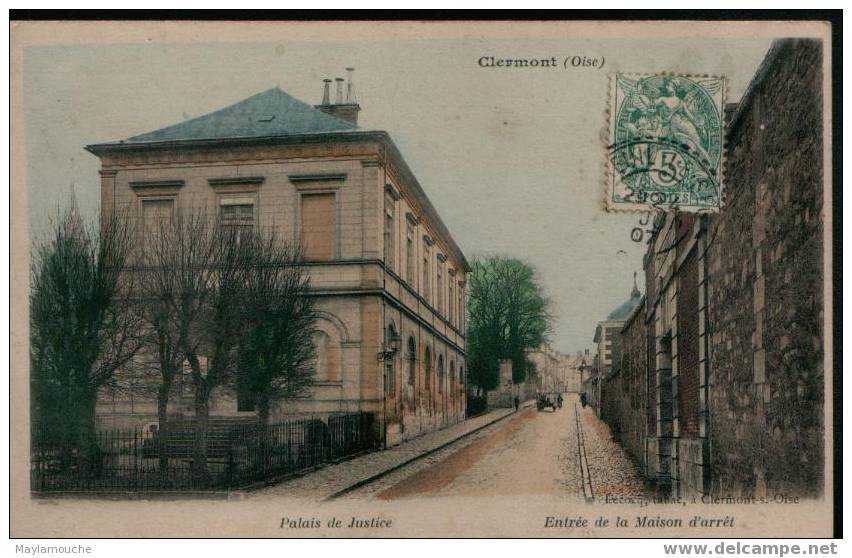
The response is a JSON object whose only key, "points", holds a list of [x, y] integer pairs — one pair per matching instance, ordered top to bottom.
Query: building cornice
{"points": [[387, 147], [325, 177], [235, 181], [143, 184], [392, 192]]}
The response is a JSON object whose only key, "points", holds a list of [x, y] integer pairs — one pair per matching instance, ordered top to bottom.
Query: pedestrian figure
{"points": [[583, 399], [559, 401], [517, 402]]}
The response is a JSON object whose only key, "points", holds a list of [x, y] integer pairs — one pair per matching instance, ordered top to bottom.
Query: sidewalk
{"points": [[332, 480]]}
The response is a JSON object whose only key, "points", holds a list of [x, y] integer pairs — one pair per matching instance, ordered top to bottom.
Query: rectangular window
{"points": [[157, 215], [237, 215], [318, 226], [389, 233], [410, 271], [426, 278], [439, 290], [451, 302], [463, 302], [461, 307], [390, 379]]}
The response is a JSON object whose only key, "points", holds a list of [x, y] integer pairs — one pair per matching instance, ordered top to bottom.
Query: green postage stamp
{"points": [[666, 142]]}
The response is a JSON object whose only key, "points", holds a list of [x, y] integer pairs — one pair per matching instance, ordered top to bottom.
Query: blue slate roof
{"points": [[271, 113], [623, 311]]}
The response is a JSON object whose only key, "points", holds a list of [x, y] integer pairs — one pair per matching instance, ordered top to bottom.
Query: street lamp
{"points": [[390, 347]]}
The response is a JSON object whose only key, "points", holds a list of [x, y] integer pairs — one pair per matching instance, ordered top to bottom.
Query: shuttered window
{"points": [[157, 214], [318, 224], [390, 233], [409, 255], [424, 288], [439, 290], [451, 299], [461, 308]]}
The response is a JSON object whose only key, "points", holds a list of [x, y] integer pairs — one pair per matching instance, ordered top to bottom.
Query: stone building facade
{"points": [[388, 278], [766, 306], [734, 308], [608, 342], [575, 367], [549, 369], [624, 393], [677, 442]]}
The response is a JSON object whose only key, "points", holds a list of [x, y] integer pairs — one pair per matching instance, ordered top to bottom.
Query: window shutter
{"points": [[318, 226]]}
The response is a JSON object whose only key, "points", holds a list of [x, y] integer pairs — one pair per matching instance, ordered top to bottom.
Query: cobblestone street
{"points": [[532, 453]]}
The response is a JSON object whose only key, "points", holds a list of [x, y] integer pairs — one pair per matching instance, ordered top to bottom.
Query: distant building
{"points": [[389, 278], [608, 341], [575, 366], [548, 368], [624, 393]]}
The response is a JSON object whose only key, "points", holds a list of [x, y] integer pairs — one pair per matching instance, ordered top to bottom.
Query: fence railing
{"points": [[129, 460]]}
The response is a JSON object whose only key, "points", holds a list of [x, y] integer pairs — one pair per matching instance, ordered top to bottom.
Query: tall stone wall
{"points": [[765, 285], [633, 389]]}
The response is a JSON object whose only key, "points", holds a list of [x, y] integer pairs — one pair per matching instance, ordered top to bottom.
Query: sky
{"points": [[512, 159]]}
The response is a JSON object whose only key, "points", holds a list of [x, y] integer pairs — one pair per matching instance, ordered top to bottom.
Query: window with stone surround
{"points": [[157, 214], [236, 215], [318, 226], [390, 245], [427, 255], [410, 257], [439, 289], [461, 308], [451, 316], [412, 361]]}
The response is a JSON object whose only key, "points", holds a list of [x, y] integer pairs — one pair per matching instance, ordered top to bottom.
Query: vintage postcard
{"points": [[422, 279]]}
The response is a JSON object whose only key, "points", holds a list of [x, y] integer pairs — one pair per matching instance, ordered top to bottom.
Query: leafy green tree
{"points": [[508, 315]]}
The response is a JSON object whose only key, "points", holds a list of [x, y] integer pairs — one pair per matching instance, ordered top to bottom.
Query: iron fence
{"points": [[238, 456]]}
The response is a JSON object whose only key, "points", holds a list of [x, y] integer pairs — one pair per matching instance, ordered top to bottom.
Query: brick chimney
{"points": [[347, 109]]}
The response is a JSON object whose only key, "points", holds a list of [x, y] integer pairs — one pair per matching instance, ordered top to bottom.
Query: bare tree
{"points": [[188, 268], [166, 285], [215, 295], [82, 326], [219, 329], [277, 355]]}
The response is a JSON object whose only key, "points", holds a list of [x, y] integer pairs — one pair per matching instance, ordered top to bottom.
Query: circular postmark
{"points": [[667, 143]]}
